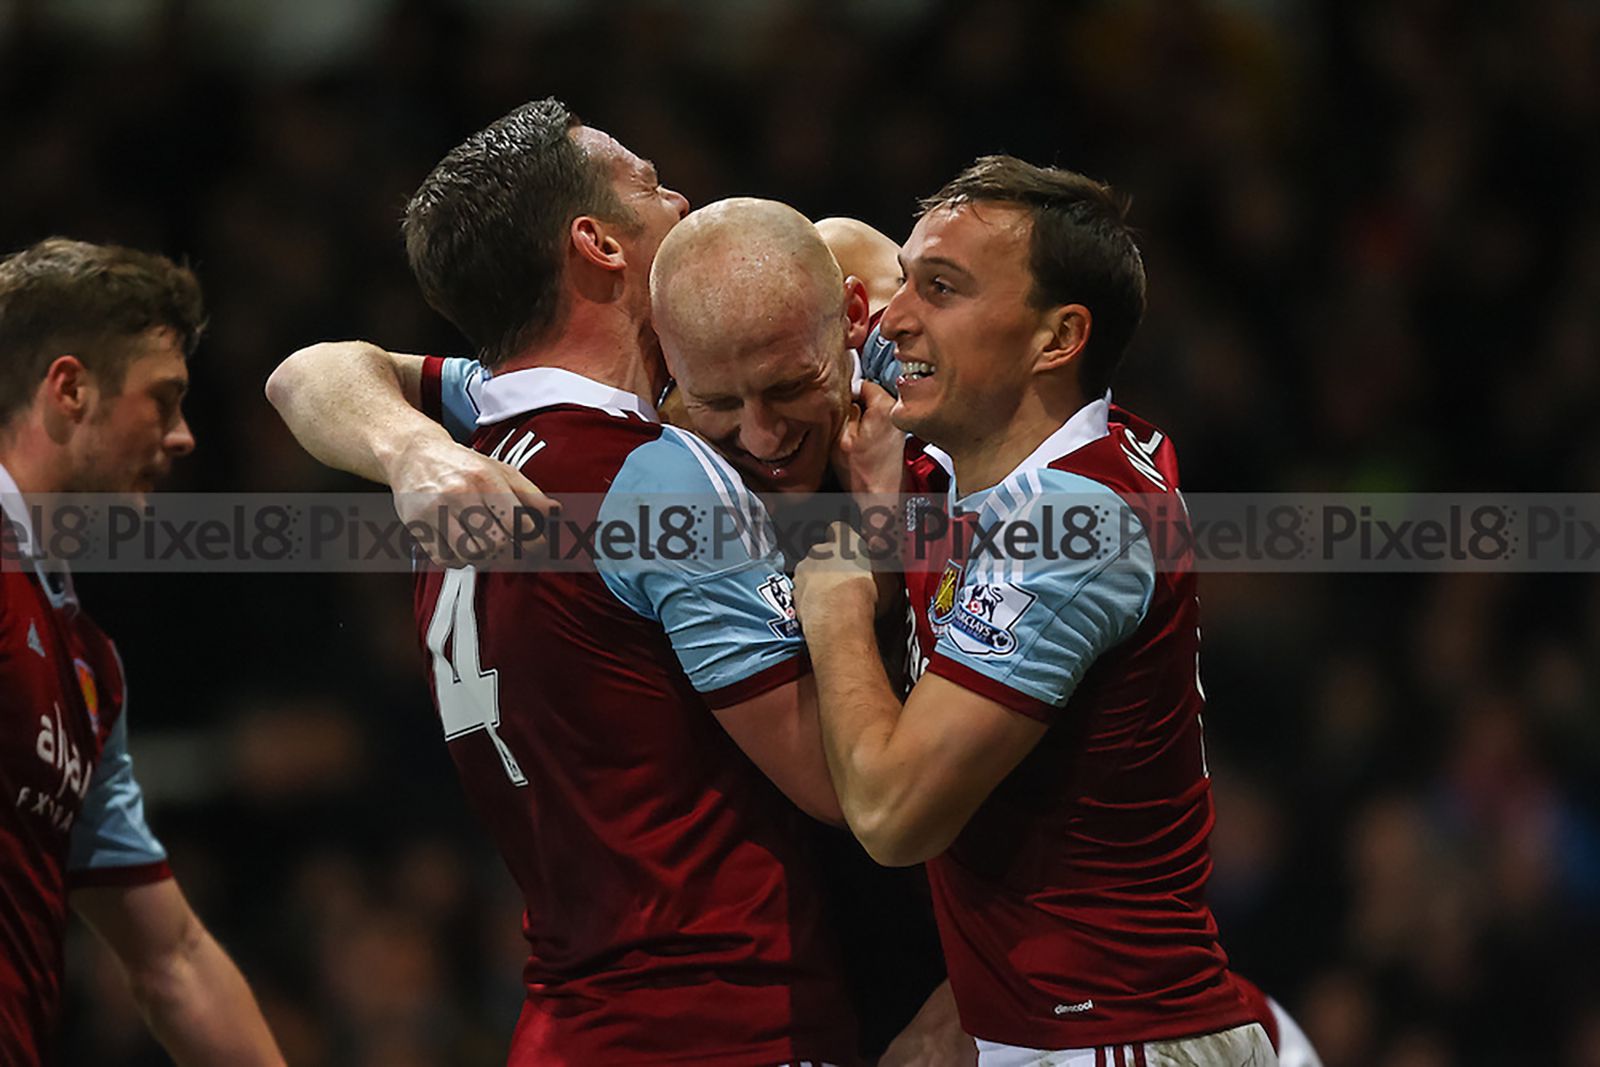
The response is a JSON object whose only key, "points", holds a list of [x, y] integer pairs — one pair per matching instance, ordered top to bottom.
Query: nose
{"points": [[678, 201], [896, 322], [763, 432], [179, 440]]}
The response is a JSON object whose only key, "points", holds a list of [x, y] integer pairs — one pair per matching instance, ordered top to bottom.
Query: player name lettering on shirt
{"points": [[521, 452]]}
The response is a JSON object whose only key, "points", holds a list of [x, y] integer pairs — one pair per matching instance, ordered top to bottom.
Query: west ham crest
{"points": [[944, 598]]}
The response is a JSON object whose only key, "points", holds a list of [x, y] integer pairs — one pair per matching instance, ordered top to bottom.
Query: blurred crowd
{"points": [[1373, 236]]}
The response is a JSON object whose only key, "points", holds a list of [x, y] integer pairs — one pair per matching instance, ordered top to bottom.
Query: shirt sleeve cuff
{"points": [[433, 387], [762, 681], [999, 692], [139, 874]]}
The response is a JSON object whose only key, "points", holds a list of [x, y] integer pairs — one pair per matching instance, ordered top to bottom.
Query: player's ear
{"points": [[593, 242], [857, 312], [1066, 332], [68, 388]]}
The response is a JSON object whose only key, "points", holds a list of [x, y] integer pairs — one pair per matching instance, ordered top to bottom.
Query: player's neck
{"points": [[603, 344], [34, 462], [982, 462]]}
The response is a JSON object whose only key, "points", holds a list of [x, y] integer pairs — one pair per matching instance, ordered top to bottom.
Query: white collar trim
{"points": [[520, 391], [1087, 425], [15, 507], [16, 511]]}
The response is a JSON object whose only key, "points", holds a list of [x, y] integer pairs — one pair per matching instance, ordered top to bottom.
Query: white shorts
{"points": [[1243, 1046], [1294, 1048]]}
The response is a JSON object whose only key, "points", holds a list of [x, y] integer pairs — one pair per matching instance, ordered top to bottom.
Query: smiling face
{"points": [[962, 322], [756, 323], [772, 404], [126, 442]]}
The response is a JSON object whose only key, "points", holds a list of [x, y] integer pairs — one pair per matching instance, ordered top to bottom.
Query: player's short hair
{"points": [[486, 232], [1082, 250], [63, 297]]}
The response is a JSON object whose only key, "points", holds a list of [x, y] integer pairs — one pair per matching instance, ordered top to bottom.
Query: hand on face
{"points": [[869, 455]]}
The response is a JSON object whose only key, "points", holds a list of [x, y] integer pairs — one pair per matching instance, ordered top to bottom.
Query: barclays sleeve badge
{"points": [[777, 592], [986, 616]]}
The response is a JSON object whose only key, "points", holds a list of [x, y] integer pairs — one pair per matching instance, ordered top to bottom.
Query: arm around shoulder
{"points": [[352, 405], [355, 407]]}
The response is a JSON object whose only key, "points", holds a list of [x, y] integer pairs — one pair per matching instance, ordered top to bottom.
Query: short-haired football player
{"points": [[745, 305], [94, 341], [618, 729], [1048, 764]]}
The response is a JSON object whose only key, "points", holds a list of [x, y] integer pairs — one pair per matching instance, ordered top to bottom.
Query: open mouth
{"points": [[912, 370], [773, 466]]}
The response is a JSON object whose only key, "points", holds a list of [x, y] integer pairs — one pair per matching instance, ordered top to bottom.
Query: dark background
{"points": [[1374, 250]]}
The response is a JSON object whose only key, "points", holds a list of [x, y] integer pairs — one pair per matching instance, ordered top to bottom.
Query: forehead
{"points": [[606, 150], [973, 233], [156, 354], [773, 356]]}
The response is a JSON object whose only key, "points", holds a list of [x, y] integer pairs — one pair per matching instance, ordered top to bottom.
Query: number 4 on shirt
{"points": [[469, 696]]}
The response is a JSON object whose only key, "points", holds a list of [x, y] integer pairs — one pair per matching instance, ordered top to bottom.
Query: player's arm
{"points": [[867, 254], [357, 407], [869, 458], [726, 607], [758, 686], [779, 731], [908, 776], [190, 992], [192, 996], [933, 1038]]}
